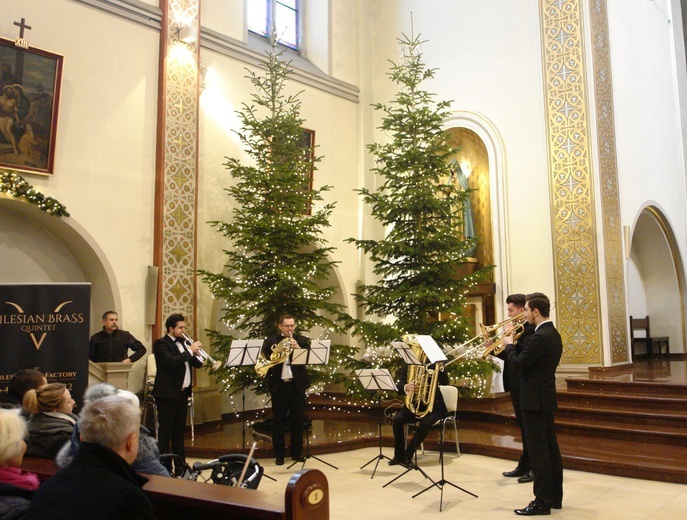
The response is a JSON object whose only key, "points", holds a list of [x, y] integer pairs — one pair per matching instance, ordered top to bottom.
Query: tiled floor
{"points": [[354, 495]]}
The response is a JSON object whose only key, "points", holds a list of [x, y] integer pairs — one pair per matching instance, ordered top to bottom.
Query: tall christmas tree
{"points": [[420, 204], [277, 262]]}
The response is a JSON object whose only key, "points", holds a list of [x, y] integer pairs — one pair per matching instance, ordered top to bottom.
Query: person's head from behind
{"points": [[515, 304], [24, 380], [98, 391], [53, 397], [112, 422], [12, 435]]}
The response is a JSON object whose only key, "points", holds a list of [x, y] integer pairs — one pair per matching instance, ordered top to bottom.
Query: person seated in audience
{"points": [[21, 382], [52, 422], [148, 459], [98, 484], [16, 486]]}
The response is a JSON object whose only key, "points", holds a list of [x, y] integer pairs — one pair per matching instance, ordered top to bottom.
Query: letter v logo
{"points": [[40, 342]]}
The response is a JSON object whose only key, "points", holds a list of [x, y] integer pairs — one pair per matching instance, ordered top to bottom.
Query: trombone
{"points": [[490, 340], [202, 355]]}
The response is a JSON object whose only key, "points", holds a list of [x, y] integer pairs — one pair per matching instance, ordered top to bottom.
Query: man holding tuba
{"points": [[287, 384], [404, 455]]}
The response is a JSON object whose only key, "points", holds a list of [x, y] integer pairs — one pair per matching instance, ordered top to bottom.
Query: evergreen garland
{"points": [[16, 186]]}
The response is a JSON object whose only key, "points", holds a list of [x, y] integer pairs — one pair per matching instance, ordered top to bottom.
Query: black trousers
{"points": [[288, 411], [171, 415], [403, 417], [545, 456], [524, 462]]}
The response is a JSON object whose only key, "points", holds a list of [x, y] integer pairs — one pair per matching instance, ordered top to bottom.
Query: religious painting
{"points": [[29, 101], [307, 143]]}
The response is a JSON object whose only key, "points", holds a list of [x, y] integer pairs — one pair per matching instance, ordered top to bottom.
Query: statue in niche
{"points": [[457, 175]]}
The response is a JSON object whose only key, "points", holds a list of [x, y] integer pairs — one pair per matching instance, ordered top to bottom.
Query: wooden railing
{"points": [[306, 497]]}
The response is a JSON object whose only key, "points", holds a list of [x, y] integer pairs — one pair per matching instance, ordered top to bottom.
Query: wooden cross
{"points": [[22, 25]]}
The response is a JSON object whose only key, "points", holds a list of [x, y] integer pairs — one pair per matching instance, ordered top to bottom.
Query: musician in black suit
{"points": [[515, 305], [175, 358], [536, 366], [287, 384], [403, 454]]}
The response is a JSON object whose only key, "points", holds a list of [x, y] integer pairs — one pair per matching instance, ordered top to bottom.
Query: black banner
{"points": [[46, 327]]}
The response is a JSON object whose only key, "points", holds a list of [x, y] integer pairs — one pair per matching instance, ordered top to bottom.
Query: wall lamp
{"points": [[188, 34]]}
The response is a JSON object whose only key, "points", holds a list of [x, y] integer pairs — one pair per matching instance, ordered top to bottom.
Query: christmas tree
{"points": [[420, 205], [277, 262]]}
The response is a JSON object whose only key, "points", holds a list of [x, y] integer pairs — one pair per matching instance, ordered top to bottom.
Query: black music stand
{"points": [[243, 352], [317, 354], [434, 354], [376, 379], [442, 481]]}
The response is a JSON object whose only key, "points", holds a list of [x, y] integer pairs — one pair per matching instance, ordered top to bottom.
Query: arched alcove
{"points": [[36, 247], [656, 281]]}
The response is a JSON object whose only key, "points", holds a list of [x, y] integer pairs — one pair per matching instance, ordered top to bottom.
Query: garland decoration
{"points": [[16, 186]]}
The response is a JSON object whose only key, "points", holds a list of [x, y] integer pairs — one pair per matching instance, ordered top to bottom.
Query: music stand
{"points": [[243, 352], [317, 354], [434, 354], [376, 379], [442, 481]]}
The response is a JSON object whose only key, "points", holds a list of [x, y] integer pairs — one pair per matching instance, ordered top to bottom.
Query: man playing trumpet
{"points": [[175, 357], [287, 384]]}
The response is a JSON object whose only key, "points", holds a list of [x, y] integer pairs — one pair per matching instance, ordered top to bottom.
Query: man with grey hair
{"points": [[99, 483]]}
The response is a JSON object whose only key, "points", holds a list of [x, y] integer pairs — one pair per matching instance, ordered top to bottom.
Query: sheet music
{"points": [[431, 348], [243, 352], [406, 353], [317, 354], [376, 379]]}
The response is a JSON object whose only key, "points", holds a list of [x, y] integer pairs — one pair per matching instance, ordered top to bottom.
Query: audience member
{"points": [[21, 382], [52, 422], [148, 459], [99, 483], [16, 486]]}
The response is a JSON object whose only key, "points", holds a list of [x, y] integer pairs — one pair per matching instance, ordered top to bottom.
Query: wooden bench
{"points": [[306, 497]]}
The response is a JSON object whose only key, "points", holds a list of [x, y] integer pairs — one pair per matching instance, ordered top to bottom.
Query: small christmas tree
{"points": [[420, 204], [278, 261]]}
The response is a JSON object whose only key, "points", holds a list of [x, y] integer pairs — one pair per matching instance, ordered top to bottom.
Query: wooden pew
{"points": [[306, 497]]}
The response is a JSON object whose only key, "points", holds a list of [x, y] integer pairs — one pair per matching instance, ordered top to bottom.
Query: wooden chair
{"points": [[660, 342]]}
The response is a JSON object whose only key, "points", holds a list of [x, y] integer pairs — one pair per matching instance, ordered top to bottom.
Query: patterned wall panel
{"points": [[179, 168], [572, 190], [610, 199]]}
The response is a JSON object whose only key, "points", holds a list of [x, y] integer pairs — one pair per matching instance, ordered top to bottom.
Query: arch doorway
{"points": [[36, 247], [656, 280]]}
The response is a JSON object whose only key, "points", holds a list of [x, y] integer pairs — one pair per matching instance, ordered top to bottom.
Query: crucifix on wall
{"points": [[21, 42]]}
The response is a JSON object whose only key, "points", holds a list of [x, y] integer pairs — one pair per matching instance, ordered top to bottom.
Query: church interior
{"points": [[570, 131]]}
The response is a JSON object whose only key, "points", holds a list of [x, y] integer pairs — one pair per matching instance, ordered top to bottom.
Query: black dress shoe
{"points": [[299, 458], [279, 461], [394, 462], [517, 472], [527, 477], [534, 509]]}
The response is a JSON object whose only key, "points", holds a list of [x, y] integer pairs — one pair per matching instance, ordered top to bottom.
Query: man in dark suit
{"points": [[515, 306], [113, 343], [175, 358], [536, 366], [287, 384], [403, 454], [99, 482]]}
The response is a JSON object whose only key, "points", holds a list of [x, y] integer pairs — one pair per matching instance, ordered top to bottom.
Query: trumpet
{"points": [[202, 355]]}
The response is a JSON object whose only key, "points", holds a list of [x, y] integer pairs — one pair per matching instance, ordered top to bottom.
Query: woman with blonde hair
{"points": [[51, 422], [16, 486]]}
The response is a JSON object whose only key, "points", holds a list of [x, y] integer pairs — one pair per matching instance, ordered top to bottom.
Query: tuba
{"points": [[280, 353], [421, 400]]}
